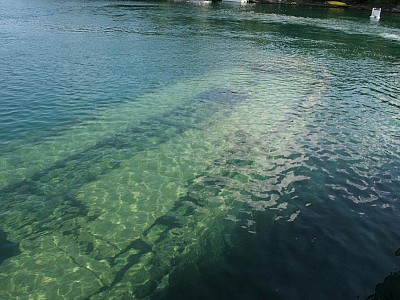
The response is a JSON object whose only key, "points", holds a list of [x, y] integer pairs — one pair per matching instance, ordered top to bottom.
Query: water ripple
{"points": [[144, 164]]}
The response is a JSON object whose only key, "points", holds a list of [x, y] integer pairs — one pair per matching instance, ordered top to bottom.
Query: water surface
{"points": [[187, 151]]}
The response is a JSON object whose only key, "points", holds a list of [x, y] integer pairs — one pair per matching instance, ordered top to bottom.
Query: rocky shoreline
{"points": [[392, 8]]}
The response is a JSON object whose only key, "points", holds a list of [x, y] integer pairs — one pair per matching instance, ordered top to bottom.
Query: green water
{"points": [[183, 150]]}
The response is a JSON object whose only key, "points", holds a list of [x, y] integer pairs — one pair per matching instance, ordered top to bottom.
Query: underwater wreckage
{"points": [[123, 216]]}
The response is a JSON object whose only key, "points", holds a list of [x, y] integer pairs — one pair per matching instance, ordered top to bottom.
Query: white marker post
{"points": [[376, 13]]}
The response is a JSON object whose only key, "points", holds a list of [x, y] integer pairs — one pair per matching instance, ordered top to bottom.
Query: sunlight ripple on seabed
{"points": [[23, 161], [123, 202]]}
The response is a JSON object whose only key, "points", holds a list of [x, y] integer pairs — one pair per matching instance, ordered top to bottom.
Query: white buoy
{"points": [[376, 13]]}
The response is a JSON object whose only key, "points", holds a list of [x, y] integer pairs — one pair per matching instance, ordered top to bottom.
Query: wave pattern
{"points": [[137, 163]]}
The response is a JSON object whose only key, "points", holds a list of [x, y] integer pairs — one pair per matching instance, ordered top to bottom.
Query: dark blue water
{"points": [[167, 150]]}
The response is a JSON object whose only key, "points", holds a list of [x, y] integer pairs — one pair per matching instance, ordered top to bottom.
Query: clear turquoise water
{"points": [[167, 150]]}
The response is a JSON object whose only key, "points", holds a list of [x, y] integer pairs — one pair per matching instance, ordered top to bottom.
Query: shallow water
{"points": [[187, 151]]}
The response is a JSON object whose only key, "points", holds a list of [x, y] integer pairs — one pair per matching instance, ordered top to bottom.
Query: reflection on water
{"points": [[263, 166]]}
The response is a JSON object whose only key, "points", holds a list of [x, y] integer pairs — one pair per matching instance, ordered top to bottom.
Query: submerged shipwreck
{"points": [[124, 211]]}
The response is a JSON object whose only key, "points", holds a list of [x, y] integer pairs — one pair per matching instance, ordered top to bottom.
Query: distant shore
{"points": [[386, 7]]}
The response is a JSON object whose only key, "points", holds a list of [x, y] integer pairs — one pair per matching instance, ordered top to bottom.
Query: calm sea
{"points": [[191, 150]]}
